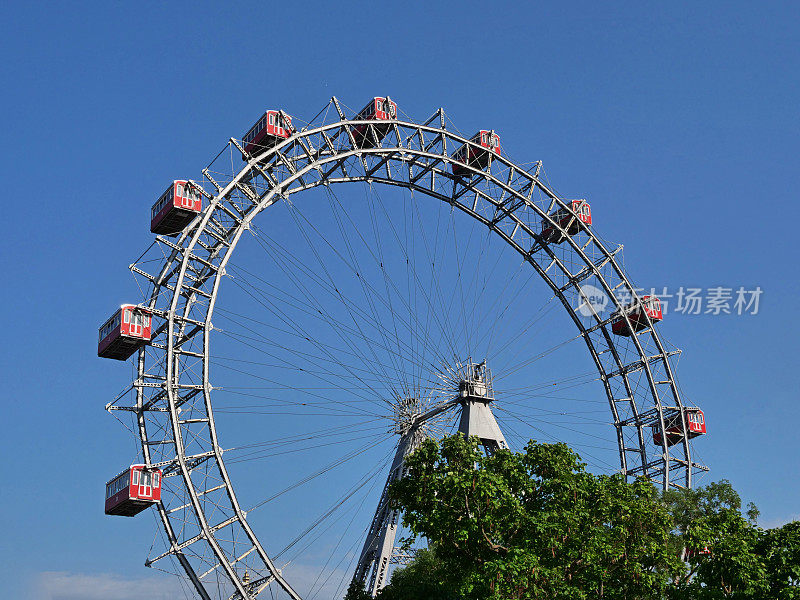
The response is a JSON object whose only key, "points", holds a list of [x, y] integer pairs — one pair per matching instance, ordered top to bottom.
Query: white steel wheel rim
{"points": [[416, 157]]}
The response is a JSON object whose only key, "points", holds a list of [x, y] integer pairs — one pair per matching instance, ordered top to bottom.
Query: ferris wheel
{"points": [[452, 289]]}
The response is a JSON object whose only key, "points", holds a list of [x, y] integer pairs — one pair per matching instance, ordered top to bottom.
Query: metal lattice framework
{"points": [[173, 390]]}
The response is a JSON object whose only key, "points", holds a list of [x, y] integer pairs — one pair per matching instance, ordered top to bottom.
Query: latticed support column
{"points": [[474, 397], [373, 564]]}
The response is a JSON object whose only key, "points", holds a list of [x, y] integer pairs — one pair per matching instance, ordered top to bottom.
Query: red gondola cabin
{"points": [[380, 110], [272, 128], [477, 153], [175, 208], [570, 220], [648, 305], [124, 333], [695, 425], [133, 490], [687, 554]]}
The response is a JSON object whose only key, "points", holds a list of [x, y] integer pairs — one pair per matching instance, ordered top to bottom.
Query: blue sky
{"points": [[679, 124]]}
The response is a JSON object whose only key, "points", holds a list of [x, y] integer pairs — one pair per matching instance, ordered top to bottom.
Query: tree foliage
{"points": [[536, 524], [780, 550], [739, 559], [426, 578], [356, 591]]}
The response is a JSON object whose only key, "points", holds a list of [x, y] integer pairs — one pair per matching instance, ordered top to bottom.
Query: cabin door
{"points": [[185, 193], [136, 323], [146, 485]]}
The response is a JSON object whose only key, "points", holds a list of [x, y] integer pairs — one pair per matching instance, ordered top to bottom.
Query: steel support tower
{"points": [[475, 396]]}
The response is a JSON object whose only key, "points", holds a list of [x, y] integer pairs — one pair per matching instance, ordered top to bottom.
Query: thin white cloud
{"points": [[773, 523], [59, 585]]}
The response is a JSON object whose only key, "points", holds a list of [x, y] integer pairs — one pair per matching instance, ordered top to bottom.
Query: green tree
{"points": [[534, 524], [537, 525], [780, 550], [739, 559], [722, 561], [426, 578], [356, 591]]}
